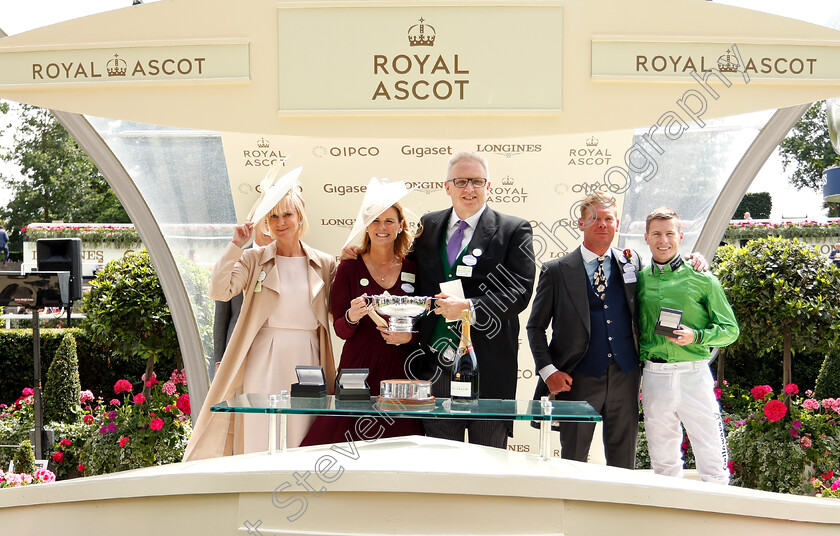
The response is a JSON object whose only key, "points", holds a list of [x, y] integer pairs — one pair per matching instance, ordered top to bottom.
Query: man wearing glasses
{"points": [[487, 257]]}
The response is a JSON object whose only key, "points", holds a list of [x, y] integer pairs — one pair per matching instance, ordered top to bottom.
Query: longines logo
{"points": [[729, 62], [118, 67], [426, 76], [508, 149], [319, 151], [420, 152], [590, 154], [263, 155], [427, 187], [507, 193], [346, 223]]}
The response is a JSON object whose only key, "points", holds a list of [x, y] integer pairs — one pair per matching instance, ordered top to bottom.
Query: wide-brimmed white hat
{"points": [[274, 189], [380, 195]]}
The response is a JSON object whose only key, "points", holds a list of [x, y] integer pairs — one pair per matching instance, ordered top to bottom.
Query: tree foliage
{"points": [[808, 149], [59, 181], [758, 204], [785, 297], [126, 306], [62, 388]]}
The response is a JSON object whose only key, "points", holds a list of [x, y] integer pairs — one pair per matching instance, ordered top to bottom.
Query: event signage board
{"points": [[615, 58], [423, 59], [159, 63]]}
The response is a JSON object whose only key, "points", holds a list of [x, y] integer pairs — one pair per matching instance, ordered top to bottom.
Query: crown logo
{"points": [[418, 36], [728, 64], [116, 66], [592, 142], [262, 143], [507, 180]]}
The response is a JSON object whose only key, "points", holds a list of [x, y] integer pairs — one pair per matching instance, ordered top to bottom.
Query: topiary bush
{"points": [[784, 296], [126, 307], [828, 382], [62, 388], [24, 458]]}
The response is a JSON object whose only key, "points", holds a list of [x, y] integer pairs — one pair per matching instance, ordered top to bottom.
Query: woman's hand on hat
{"points": [[242, 234]]}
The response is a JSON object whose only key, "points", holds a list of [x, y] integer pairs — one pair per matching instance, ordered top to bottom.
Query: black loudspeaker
{"points": [[62, 255]]}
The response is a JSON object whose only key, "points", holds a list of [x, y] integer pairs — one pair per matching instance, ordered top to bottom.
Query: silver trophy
{"points": [[402, 310]]}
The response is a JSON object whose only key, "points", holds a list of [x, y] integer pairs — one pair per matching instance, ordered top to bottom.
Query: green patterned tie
{"points": [[599, 280]]}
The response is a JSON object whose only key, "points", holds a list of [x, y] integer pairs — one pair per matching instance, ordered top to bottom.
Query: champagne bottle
{"points": [[464, 384]]}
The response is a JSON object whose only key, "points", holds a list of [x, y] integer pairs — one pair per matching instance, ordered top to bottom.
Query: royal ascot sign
{"points": [[423, 59], [779, 62], [158, 63]]}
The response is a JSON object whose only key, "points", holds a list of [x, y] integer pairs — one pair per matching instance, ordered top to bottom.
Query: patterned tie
{"points": [[454, 245], [599, 280]]}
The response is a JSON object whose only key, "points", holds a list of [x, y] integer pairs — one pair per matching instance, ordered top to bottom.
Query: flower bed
{"points": [[762, 229]]}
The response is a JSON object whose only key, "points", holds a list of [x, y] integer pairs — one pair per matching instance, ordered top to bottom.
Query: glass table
{"points": [[544, 411]]}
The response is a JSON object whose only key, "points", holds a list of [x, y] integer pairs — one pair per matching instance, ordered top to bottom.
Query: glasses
{"points": [[462, 183]]}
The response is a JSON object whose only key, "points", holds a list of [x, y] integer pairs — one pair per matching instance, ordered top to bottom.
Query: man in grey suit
{"points": [[589, 298]]}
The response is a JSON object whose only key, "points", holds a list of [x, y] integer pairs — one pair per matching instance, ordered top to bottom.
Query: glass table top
{"points": [[443, 408]]}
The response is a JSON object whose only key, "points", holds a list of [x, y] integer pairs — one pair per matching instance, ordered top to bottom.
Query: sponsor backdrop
{"points": [[542, 179]]}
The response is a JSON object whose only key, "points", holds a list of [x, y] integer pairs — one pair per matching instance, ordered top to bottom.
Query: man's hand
{"points": [[349, 252], [698, 262], [450, 307], [684, 336], [559, 382]]}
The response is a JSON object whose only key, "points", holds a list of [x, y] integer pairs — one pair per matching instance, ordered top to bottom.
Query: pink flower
{"points": [[179, 377], [150, 382], [122, 386], [169, 388], [791, 389], [27, 391], [759, 392], [718, 393], [85, 396], [139, 398], [114, 402], [828, 402], [183, 403], [810, 403], [775, 410], [88, 419], [156, 424], [793, 432], [805, 441], [64, 442], [123, 442], [58, 457], [44, 475], [836, 485]]}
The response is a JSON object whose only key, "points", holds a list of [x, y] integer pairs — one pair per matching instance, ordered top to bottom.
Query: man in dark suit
{"points": [[491, 254], [589, 297]]}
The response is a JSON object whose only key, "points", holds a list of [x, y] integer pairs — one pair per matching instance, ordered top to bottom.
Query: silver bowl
{"points": [[402, 310]]}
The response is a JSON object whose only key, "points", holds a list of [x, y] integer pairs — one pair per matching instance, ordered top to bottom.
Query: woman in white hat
{"points": [[381, 267], [284, 322]]}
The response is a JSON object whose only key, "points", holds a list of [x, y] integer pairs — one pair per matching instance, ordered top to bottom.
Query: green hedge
{"points": [[99, 369]]}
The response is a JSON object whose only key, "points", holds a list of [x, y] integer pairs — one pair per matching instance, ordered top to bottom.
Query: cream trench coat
{"points": [[238, 270]]}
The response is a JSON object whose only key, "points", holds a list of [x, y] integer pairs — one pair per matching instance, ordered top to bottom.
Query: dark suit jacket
{"points": [[500, 287], [562, 300]]}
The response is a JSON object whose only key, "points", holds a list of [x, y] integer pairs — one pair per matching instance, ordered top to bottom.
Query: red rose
{"points": [[628, 254], [775, 410], [58, 457], [81, 468]]}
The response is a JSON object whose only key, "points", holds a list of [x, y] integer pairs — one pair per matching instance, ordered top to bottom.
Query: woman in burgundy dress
{"points": [[381, 266]]}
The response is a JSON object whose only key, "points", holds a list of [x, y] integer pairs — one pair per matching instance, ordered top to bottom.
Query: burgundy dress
{"points": [[364, 347]]}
